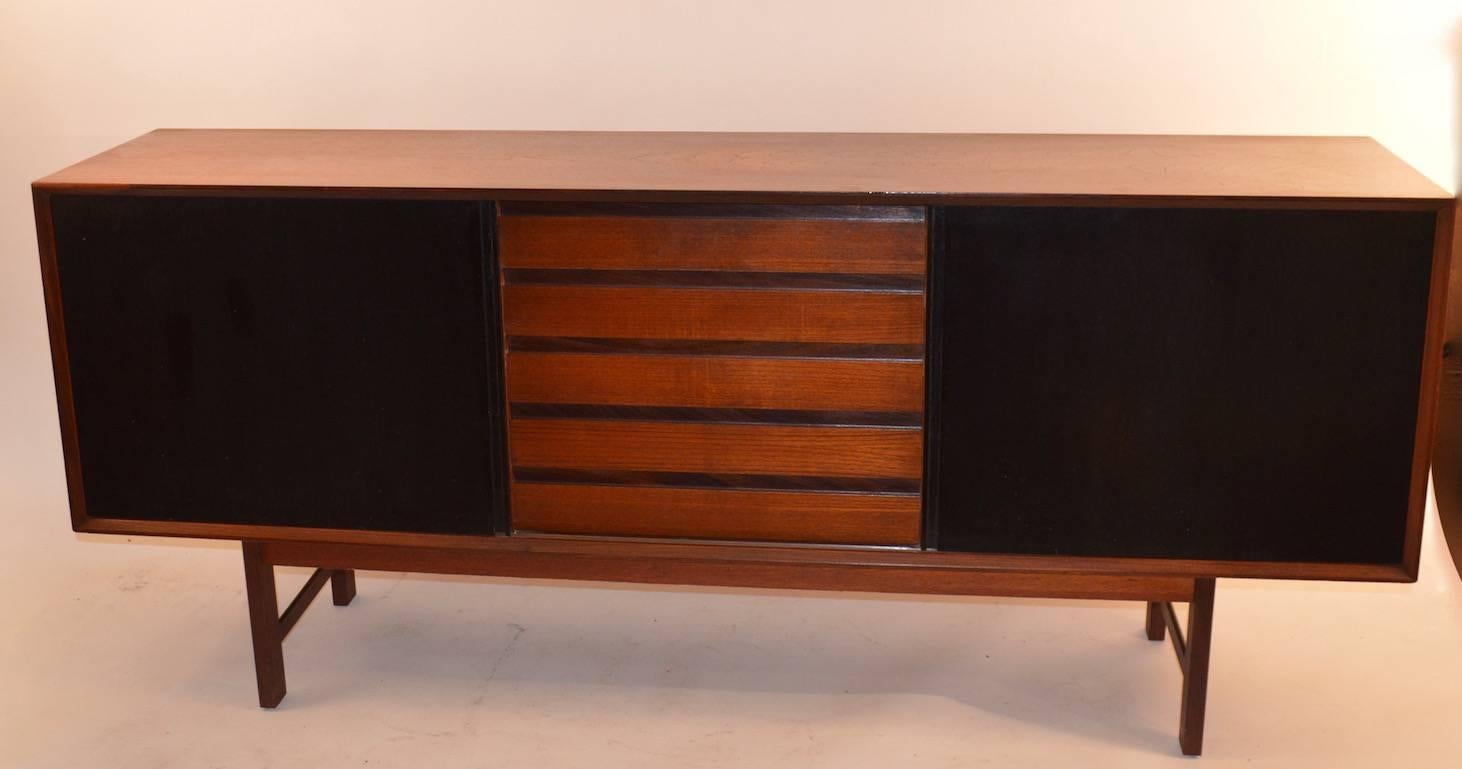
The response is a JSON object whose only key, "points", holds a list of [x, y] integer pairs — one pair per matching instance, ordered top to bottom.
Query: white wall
{"points": [[78, 76], [98, 668]]}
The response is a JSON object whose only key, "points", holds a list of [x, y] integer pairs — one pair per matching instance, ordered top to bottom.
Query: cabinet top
{"points": [[784, 167]]}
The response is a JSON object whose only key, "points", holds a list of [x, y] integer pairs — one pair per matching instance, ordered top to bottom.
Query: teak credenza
{"points": [[1113, 367]]}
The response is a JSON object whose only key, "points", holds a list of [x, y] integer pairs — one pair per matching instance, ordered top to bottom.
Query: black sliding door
{"points": [[293, 362], [1213, 384]]}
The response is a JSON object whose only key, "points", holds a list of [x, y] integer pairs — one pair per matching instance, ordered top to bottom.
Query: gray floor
{"points": [[136, 654]]}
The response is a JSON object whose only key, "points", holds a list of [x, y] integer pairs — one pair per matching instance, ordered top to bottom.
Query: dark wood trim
{"points": [[761, 198], [750, 210], [487, 214], [802, 281], [721, 347], [933, 358], [60, 359], [1431, 379], [890, 419], [893, 486], [590, 546], [537, 564], [302, 601], [1174, 629]]}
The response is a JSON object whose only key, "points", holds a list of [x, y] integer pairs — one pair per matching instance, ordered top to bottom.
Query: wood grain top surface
{"points": [[888, 168]]}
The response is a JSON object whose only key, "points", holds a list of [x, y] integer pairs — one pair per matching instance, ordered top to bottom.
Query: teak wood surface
{"points": [[775, 167], [735, 314], [719, 382], [849, 452], [731, 514], [546, 560]]}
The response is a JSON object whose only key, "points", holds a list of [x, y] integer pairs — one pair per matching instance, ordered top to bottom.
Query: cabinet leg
{"points": [[342, 586], [1155, 622], [264, 625], [269, 627], [1192, 648], [1195, 668]]}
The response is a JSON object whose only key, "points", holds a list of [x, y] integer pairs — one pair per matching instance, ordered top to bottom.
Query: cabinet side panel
{"points": [[295, 362], [60, 366], [1200, 384]]}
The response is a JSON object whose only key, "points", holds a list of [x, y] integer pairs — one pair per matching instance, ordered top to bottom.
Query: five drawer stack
{"points": [[719, 372]]}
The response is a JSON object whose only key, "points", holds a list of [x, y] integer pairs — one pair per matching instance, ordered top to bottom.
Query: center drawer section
{"points": [[716, 372]]}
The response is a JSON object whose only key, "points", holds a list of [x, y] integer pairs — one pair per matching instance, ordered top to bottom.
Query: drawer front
{"points": [[810, 240], [746, 373]]}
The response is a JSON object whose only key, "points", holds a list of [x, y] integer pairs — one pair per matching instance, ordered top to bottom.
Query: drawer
{"points": [[826, 240], [730, 312], [746, 373], [889, 387], [702, 445], [826, 517]]}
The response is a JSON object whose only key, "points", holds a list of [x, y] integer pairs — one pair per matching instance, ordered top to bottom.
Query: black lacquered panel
{"points": [[293, 362], [1214, 384]]}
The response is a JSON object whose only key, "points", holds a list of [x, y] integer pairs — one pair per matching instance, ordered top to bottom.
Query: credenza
{"points": [[1104, 367]]}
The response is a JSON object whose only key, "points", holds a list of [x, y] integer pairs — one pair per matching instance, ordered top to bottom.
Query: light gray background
{"points": [[136, 655]]}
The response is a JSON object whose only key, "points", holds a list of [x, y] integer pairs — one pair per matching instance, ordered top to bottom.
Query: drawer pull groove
{"points": [[808, 281], [719, 347], [908, 420]]}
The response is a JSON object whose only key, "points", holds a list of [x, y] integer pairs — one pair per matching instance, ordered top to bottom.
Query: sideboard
{"points": [[1103, 367]]}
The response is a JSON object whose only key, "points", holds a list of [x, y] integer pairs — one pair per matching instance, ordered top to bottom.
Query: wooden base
{"points": [[269, 627], [1192, 649]]}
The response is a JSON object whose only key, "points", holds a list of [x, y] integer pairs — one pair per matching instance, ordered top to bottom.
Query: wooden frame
{"points": [[1431, 380], [1447, 456], [625, 547], [336, 563], [812, 568]]}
